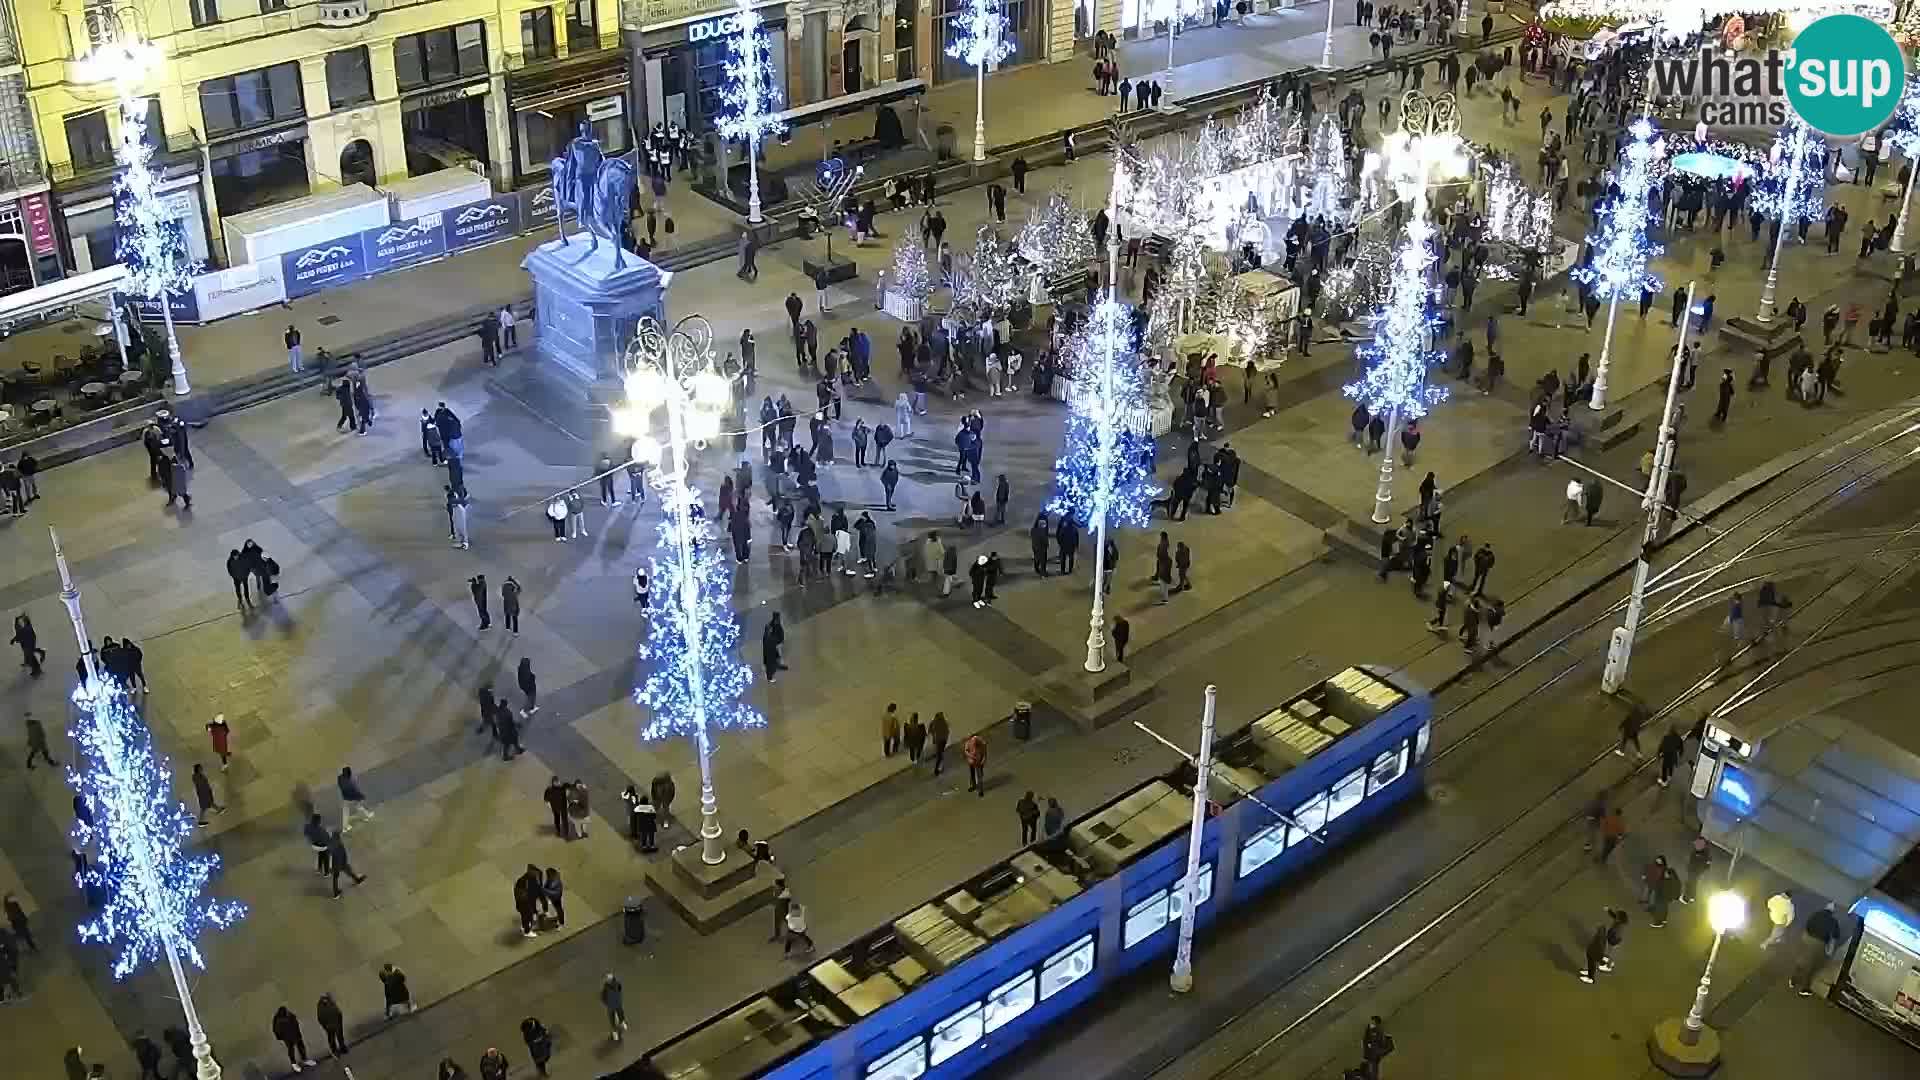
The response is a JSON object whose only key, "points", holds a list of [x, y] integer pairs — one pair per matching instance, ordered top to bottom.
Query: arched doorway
{"points": [[850, 63], [356, 163]]}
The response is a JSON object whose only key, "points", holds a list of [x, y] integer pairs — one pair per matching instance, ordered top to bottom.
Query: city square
{"points": [[370, 654]]}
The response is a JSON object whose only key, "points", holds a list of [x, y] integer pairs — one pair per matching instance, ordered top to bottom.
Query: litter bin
{"points": [[1022, 720], [633, 922]]}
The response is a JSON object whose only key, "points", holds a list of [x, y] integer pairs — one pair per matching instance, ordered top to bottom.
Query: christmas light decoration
{"points": [[980, 40], [750, 99], [1903, 134], [1794, 188], [1326, 195], [1056, 237], [148, 240], [1621, 250], [910, 276], [988, 282], [1359, 282], [1397, 359], [1101, 475], [695, 683], [154, 892]]}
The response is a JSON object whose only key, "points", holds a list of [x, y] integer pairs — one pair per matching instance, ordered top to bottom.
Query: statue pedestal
{"points": [[585, 310]]}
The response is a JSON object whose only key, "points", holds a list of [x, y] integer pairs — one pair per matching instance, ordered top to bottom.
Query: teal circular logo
{"points": [[1846, 75]]}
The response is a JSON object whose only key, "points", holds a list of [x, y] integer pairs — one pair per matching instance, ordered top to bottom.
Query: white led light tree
{"points": [[980, 39], [750, 102], [1903, 134], [1794, 190], [149, 240], [1620, 246], [696, 683], [154, 904]]}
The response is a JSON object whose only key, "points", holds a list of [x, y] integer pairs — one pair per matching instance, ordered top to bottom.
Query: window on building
{"points": [[267, 6], [204, 12], [583, 32], [536, 34], [451, 52], [349, 78], [251, 98], [154, 129], [87, 140]]}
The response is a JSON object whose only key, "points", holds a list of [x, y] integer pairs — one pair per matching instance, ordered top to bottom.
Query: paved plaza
{"points": [[373, 656]]}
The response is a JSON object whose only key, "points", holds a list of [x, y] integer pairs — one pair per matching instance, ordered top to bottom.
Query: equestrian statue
{"points": [[599, 191]]}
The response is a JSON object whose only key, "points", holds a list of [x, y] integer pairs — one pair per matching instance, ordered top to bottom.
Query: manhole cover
{"points": [[327, 320], [1440, 793]]}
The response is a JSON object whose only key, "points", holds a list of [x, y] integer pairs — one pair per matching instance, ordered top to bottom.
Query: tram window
{"points": [[1420, 746], [1387, 768], [1347, 793], [1310, 817], [1262, 848], [1178, 898], [1143, 919], [1066, 967], [1009, 1000], [956, 1033], [908, 1062]]}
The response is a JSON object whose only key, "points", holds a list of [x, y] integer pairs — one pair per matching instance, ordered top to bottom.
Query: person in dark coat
{"points": [[1039, 535], [1067, 540], [1122, 632], [771, 641], [529, 686], [939, 732], [327, 1011], [286, 1028], [539, 1043]]}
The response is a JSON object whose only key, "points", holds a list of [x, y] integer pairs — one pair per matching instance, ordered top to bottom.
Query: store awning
{"points": [[853, 103], [58, 297]]}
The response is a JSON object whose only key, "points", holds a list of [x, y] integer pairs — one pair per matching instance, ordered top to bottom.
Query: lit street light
{"points": [[1689, 1047]]}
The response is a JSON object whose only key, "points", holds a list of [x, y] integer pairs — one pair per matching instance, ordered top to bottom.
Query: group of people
{"points": [[169, 457], [20, 482], [250, 568]]}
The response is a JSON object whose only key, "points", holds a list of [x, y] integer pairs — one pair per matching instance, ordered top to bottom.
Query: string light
{"points": [[979, 35], [750, 100], [1903, 132], [1791, 196], [1056, 237], [149, 241], [1620, 246], [910, 277], [1398, 357], [1104, 472], [695, 682], [153, 891]]}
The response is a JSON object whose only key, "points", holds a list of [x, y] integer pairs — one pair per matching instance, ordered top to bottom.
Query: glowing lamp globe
{"points": [[646, 388], [710, 390], [646, 450], [1726, 911]]}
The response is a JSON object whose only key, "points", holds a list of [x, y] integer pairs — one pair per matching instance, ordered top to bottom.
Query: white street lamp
{"points": [[980, 39], [1326, 46], [750, 100], [1785, 214], [696, 682], [1726, 912], [1181, 981], [1688, 1047]]}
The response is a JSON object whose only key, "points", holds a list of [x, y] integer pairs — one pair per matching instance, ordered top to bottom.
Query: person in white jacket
{"points": [[797, 929]]}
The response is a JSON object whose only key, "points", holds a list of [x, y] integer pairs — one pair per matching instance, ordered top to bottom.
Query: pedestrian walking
{"points": [[294, 358], [1183, 565], [477, 586], [510, 602], [1122, 632], [772, 639], [31, 654], [529, 686], [1630, 725], [890, 730], [939, 733], [220, 735], [915, 736], [37, 742], [1669, 750], [975, 751], [203, 793], [352, 800], [579, 807], [1027, 809], [1613, 829], [321, 842], [1699, 859], [339, 862], [1665, 890], [554, 891], [782, 903], [1780, 914], [17, 921], [797, 930], [393, 989], [613, 998], [327, 1011], [286, 1028], [539, 1043], [1375, 1045], [493, 1065]]}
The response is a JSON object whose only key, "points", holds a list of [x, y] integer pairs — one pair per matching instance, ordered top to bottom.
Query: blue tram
{"points": [[959, 981]]}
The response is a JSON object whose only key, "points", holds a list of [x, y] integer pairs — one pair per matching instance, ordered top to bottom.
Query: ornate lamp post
{"points": [[980, 39], [696, 682]]}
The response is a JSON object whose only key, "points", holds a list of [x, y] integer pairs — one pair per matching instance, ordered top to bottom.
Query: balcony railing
{"points": [[578, 48], [177, 146], [19, 175]]}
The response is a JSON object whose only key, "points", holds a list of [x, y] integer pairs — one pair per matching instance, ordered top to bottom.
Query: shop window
{"points": [[204, 12], [1022, 30], [583, 32], [536, 34], [451, 52], [349, 78], [252, 98], [154, 133], [87, 140], [1388, 767], [1347, 793], [1262, 848], [1143, 919], [1066, 967], [1009, 1000], [956, 1033], [908, 1062]]}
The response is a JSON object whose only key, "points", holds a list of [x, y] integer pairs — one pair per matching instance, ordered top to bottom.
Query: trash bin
{"points": [[1022, 720], [633, 922]]}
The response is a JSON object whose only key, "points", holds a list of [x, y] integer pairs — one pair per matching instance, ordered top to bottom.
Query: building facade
{"points": [[259, 102], [29, 251]]}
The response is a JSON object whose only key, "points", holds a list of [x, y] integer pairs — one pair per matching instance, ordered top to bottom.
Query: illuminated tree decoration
{"points": [[980, 35], [750, 101], [1903, 131], [1327, 159], [1789, 195], [1056, 236], [149, 241], [1620, 246], [910, 276], [989, 282], [1359, 282], [1398, 357], [1102, 473], [153, 889]]}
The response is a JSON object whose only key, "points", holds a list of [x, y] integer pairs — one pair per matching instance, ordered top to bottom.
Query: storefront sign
{"points": [[656, 13], [711, 29], [441, 97], [603, 108], [236, 147], [536, 207], [38, 215], [482, 222], [403, 242], [319, 266], [239, 289], [186, 308]]}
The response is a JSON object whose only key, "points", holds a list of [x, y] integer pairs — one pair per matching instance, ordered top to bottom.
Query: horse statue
{"points": [[612, 200]]}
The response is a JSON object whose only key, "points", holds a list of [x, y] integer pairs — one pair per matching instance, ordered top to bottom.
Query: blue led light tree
{"points": [[980, 39], [750, 102], [1903, 134], [1794, 190], [1620, 246], [1401, 352], [696, 682], [154, 904]]}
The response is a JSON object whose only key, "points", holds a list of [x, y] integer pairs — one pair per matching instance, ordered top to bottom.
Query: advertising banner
{"points": [[536, 205], [38, 216], [482, 222], [403, 242], [320, 266], [240, 289], [186, 308]]}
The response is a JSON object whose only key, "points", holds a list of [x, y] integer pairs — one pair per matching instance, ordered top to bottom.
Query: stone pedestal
{"points": [[585, 310], [1749, 337], [1093, 699], [710, 897], [1676, 1058]]}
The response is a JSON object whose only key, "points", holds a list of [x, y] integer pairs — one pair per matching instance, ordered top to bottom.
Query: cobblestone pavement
{"points": [[372, 659]]}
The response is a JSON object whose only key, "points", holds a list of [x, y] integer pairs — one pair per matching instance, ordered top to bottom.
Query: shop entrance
{"points": [[850, 63], [446, 135], [356, 164], [251, 179], [16, 269]]}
